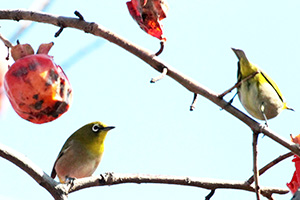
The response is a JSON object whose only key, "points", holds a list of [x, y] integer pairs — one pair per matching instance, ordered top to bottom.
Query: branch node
{"points": [[79, 15], [16, 18], [89, 28], [162, 45], [161, 76], [192, 107], [260, 129], [107, 178], [102, 180], [188, 180], [69, 183], [212, 192], [269, 197]]}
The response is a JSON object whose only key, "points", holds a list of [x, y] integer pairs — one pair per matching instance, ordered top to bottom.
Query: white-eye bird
{"points": [[259, 94], [81, 153]]}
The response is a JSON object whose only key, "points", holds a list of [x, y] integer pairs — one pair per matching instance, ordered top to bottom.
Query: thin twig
{"points": [[79, 15], [59, 31], [6, 41], [8, 44], [162, 44], [7, 56], [161, 76], [237, 84], [193, 105], [269, 165], [255, 168], [212, 192]]}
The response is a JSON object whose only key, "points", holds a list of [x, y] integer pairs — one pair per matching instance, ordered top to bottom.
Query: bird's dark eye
{"points": [[95, 128]]}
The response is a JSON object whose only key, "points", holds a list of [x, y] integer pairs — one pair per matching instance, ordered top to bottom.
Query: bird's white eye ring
{"points": [[95, 128]]}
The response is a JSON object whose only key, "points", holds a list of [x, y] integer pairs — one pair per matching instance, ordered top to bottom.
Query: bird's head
{"points": [[93, 132]]}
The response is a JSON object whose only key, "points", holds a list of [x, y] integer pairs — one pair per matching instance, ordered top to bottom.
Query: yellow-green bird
{"points": [[259, 95], [81, 153]]}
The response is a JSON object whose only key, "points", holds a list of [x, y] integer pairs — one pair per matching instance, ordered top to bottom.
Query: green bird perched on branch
{"points": [[257, 92], [81, 153]]}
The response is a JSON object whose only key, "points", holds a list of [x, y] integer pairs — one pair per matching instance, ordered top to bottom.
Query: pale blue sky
{"points": [[155, 131]]}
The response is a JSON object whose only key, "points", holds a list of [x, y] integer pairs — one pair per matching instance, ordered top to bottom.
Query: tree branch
{"points": [[269, 165], [255, 168], [210, 184], [54, 188], [60, 191]]}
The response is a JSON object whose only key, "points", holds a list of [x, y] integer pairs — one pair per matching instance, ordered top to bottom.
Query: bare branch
{"points": [[269, 165], [255, 168], [210, 184], [53, 187], [60, 191]]}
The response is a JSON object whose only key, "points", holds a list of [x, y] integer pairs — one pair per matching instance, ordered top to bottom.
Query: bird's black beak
{"points": [[108, 128]]}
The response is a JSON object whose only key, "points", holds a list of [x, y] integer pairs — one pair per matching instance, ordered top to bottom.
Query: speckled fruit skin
{"points": [[37, 88]]}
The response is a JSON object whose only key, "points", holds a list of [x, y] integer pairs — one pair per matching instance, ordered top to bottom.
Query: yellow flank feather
{"points": [[259, 95]]}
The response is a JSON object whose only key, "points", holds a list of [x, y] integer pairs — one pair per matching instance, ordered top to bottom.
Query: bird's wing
{"points": [[239, 75], [273, 84], [64, 149]]}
